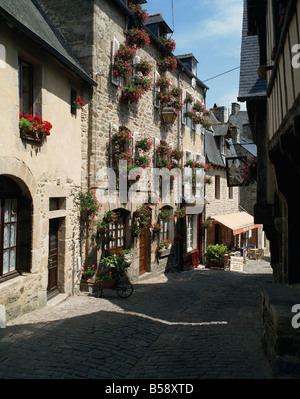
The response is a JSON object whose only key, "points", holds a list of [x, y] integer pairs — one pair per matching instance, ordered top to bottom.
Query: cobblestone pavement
{"points": [[199, 324]]}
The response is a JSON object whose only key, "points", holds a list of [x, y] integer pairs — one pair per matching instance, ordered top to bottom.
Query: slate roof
{"points": [[25, 16], [158, 19], [251, 87], [220, 129], [212, 152]]}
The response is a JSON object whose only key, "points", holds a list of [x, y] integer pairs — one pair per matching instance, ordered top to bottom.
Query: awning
{"points": [[239, 222]]}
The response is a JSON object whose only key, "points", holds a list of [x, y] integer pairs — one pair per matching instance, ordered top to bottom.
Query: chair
{"points": [[260, 253]]}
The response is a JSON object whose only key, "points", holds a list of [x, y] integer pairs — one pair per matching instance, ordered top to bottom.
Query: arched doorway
{"points": [[15, 228]]}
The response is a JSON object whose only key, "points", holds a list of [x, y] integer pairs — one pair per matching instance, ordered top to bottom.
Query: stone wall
{"points": [[100, 22]]}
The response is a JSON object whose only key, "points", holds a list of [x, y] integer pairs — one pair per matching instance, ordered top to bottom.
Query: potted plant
{"points": [[140, 14], [137, 37], [169, 43], [144, 67], [33, 128], [89, 205], [127, 254], [215, 255], [111, 268]]}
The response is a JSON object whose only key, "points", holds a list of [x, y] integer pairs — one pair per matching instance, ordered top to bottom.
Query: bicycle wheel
{"points": [[124, 289]]}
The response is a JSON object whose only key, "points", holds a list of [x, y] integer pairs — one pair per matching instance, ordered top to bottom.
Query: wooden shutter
{"points": [[115, 48], [156, 90], [183, 118]]}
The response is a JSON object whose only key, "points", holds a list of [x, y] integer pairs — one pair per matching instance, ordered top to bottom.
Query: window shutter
{"points": [[115, 48], [156, 90], [183, 119], [112, 128], [134, 140], [156, 144]]}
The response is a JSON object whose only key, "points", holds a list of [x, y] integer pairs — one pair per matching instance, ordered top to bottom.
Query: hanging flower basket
{"points": [[140, 14], [137, 37], [169, 43], [123, 61], [168, 63], [144, 67], [143, 83], [164, 83], [131, 93], [189, 99], [144, 144], [177, 154], [250, 171], [89, 205], [180, 213], [166, 215], [110, 217], [141, 219], [207, 224]]}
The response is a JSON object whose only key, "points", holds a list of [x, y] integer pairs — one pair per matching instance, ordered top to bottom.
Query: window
{"points": [[118, 80], [25, 87], [73, 104], [189, 107], [217, 187], [230, 192], [15, 230], [166, 231], [191, 232], [8, 234], [115, 237]]}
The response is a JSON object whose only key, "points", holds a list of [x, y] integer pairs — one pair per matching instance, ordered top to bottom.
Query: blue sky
{"points": [[211, 30]]}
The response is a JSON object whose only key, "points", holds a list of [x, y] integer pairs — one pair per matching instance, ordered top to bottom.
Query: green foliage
{"points": [[216, 252]]}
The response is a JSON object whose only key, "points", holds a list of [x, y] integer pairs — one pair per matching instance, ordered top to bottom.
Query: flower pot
{"points": [[30, 136], [216, 264], [109, 284]]}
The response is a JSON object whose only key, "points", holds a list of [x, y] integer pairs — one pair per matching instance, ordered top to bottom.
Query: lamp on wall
{"points": [[169, 115]]}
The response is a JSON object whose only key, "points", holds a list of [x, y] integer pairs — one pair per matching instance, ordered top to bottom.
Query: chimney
{"points": [[235, 108], [220, 113]]}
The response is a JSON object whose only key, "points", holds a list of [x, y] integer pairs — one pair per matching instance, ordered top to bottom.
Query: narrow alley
{"points": [[199, 324]]}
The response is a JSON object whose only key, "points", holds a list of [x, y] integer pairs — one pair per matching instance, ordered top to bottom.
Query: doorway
{"points": [[144, 251], [52, 288]]}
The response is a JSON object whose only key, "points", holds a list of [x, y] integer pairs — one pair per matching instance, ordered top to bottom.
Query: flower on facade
{"points": [[140, 14], [137, 37], [169, 43], [168, 63], [122, 65], [144, 67], [163, 82], [143, 83], [132, 93], [189, 99], [198, 118], [34, 124], [144, 144], [177, 153], [250, 171], [208, 180], [89, 205], [180, 213], [166, 215], [110, 217], [142, 218], [207, 224], [156, 228], [164, 244], [89, 271]]}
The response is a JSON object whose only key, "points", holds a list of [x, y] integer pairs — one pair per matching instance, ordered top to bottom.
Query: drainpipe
{"points": [[178, 144]]}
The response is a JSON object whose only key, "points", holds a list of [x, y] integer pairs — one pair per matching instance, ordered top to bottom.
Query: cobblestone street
{"points": [[199, 324]]}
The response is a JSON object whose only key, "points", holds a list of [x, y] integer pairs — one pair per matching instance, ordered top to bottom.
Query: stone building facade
{"points": [[102, 27], [269, 85], [40, 175]]}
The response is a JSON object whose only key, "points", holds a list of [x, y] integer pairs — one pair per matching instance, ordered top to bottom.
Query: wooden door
{"points": [[144, 251], [53, 256]]}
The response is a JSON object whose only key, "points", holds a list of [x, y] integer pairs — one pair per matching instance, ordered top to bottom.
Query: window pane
{"points": [[14, 209], [7, 211], [13, 235], [6, 236], [12, 260], [5, 261]]}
